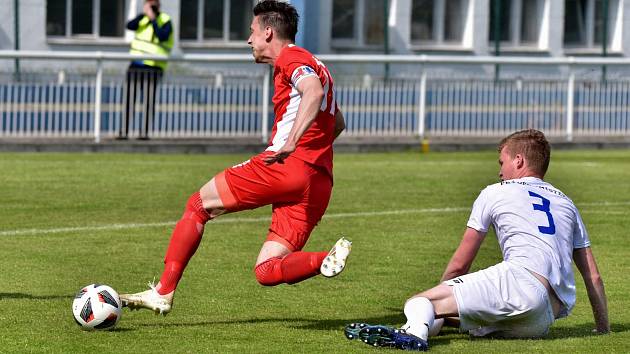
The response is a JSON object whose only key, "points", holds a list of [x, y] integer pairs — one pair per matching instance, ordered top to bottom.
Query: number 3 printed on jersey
{"points": [[544, 207]]}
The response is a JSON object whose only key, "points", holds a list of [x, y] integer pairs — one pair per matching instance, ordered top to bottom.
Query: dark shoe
{"points": [[352, 330], [383, 336]]}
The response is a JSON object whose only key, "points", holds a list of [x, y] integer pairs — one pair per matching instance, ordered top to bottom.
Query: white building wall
{"points": [[32, 24], [399, 24], [7, 25], [481, 25], [556, 28], [625, 33], [318, 39]]}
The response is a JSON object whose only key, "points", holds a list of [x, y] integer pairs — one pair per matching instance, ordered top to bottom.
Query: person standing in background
{"points": [[153, 36]]}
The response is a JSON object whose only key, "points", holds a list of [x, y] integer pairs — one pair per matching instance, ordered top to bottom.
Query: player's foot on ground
{"points": [[335, 261], [148, 299], [351, 331], [383, 336]]}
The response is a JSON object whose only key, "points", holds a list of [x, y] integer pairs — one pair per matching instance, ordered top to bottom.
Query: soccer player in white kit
{"points": [[539, 230]]}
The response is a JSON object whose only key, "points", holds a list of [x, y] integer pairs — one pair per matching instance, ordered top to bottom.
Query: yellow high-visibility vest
{"points": [[147, 42]]}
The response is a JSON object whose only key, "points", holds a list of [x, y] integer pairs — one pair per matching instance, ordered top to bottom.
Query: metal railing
{"points": [[420, 104], [183, 109]]}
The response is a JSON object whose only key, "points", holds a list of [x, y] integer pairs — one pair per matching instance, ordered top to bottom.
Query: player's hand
{"points": [[280, 155]]}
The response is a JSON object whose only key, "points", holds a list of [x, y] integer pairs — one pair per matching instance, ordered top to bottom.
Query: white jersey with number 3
{"points": [[537, 227]]}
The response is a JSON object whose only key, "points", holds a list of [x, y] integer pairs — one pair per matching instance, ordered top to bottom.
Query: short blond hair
{"points": [[533, 145]]}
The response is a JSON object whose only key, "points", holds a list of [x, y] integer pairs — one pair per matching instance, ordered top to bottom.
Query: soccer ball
{"points": [[96, 307]]}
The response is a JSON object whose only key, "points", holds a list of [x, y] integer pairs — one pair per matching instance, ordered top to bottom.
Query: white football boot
{"points": [[335, 261], [149, 299]]}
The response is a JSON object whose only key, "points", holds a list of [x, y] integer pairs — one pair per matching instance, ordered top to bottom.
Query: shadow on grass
{"points": [[6, 296], [395, 319], [297, 323], [119, 330], [583, 330]]}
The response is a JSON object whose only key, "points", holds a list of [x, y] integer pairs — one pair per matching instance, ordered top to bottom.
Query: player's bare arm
{"points": [[312, 93], [340, 123], [464, 254], [585, 262]]}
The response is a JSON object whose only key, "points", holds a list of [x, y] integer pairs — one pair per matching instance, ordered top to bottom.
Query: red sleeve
{"points": [[292, 59]]}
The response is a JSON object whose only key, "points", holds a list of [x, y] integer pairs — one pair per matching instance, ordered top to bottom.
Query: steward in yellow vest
{"points": [[153, 34]]}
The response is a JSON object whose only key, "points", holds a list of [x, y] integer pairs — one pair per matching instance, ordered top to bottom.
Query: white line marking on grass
{"points": [[605, 212], [228, 220], [81, 228]]}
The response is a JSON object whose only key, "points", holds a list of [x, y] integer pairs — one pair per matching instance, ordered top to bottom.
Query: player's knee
{"points": [[195, 209], [267, 274], [266, 280], [418, 302]]}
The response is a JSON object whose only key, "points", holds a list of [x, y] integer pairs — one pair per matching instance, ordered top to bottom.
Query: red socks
{"points": [[184, 242], [291, 269]]}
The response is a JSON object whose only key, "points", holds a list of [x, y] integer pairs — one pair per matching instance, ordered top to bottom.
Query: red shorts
{"points": [[298, 192]]}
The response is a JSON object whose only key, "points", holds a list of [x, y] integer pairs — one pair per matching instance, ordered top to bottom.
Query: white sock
{"points": [[420, 317], [435, 329]]}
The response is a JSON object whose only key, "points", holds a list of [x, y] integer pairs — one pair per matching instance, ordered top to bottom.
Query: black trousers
{"points": [[142, 84]]}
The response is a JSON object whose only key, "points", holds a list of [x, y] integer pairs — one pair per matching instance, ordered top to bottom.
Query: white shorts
{"points": [[504, 300]]}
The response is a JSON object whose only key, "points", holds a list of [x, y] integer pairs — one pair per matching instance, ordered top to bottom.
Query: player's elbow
{"points": [[314, 91], [318, 95], [340, 125], [458, 268]]}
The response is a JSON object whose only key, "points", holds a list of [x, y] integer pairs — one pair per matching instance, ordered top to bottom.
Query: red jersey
{"points": [[315, 146]]}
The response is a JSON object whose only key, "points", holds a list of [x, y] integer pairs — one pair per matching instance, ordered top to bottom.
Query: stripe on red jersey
{"points": [[300, 73]]}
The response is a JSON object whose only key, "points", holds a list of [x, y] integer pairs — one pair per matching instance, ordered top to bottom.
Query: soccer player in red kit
{"points": [[294, 173]]}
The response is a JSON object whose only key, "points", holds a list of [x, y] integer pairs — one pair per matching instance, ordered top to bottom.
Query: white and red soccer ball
{"points": [[97, 307]]}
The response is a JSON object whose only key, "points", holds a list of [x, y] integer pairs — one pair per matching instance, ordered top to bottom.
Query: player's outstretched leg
{"points": [[182, 246], [335, 261], [384, 336]]}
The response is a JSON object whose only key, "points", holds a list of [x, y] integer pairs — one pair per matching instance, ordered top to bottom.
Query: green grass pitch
{"points": [[68, 220]]}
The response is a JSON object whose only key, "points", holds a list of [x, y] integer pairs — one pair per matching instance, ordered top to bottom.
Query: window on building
{"points": [[504, 8], [114, 11], [344, 14], [82, 17], [56, 18], [91, 18], [215, 20], [422, 20], [454, 20], [438, 21], [520, 21], [358, 22], [584, 22], [374, 26]]}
